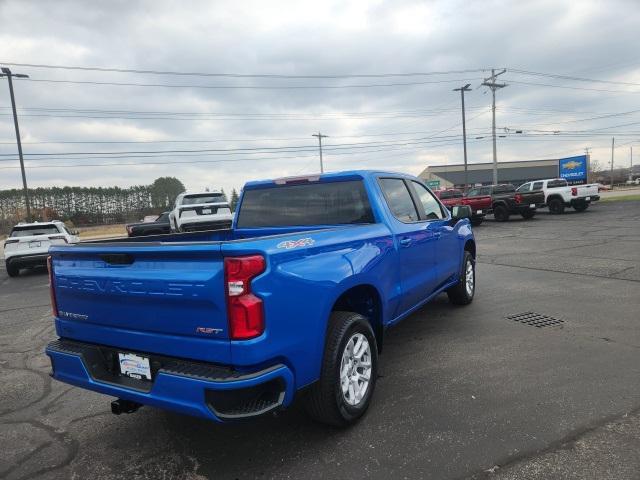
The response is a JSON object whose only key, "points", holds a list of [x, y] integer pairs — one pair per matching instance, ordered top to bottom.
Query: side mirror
{"points": [[460, 211]]}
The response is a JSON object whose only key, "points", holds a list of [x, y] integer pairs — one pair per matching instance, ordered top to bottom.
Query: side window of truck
{"points": [[537, 185], [524, 188], [485, 191], [473, 192], [399, 199], [432, 209]]}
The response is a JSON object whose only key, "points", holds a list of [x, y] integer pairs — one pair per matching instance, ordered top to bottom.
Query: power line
{"points": [[245, 75], [572, 78], [247, 87], [572, 87], [213, 152], [111, 164]]}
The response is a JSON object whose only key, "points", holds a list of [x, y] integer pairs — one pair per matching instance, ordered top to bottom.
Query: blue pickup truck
{"points": [[293, 300]]}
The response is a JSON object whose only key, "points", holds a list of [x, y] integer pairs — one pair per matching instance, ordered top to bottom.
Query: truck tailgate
{"points": [[587, 190], [160, 293]]}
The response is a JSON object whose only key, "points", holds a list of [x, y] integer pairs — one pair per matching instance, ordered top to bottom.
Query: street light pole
{"points": [[7, 73], [464, 132], [320, 137]]}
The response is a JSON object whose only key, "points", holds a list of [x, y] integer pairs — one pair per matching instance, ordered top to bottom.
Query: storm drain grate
{"points": [[535, 319]]}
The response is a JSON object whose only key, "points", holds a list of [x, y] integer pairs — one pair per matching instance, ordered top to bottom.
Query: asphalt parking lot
{"points": [[465, 392]]}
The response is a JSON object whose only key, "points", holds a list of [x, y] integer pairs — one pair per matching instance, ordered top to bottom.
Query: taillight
{"points": [[574, 191], [518, 198], [11, 240], [52, 292], [244, 309]]}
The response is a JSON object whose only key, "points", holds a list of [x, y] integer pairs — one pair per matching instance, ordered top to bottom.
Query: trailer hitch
{"points": [[124, 406]]}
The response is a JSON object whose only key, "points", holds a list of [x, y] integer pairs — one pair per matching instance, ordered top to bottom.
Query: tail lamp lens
{"points": [[574, 191], [518, 198], [52, 292], [244, 309]]}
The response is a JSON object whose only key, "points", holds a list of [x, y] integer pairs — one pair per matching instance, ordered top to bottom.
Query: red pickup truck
{"points": [[452, 197]]}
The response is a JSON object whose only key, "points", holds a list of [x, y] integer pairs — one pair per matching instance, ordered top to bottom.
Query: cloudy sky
{"points": [[376, 76]]}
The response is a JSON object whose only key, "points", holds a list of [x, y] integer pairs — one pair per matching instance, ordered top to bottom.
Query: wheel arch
{"points": [[470, 246], [364, 299]]}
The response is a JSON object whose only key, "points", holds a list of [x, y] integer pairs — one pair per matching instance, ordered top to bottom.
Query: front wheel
{"points": [[462, 292], [349, 371]]}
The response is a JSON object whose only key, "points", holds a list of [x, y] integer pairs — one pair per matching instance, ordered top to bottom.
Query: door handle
{"points": [[405, 241]]}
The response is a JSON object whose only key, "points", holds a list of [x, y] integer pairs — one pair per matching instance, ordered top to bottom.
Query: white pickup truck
{"points": [[558, 194], [200, 211]]}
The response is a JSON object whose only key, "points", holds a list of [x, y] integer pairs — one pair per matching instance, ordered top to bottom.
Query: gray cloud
{"points": [[576, 38]]}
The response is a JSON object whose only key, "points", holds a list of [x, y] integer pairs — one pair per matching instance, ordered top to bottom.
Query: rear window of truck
{"points": [[556, 183], [447, 194], [330, 203]]}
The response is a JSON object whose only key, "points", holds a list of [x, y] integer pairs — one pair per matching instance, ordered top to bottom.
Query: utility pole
{"points": [[7, 73], [491, 83], [464, 132], [320, 137], [613, 146], [631, 162]]}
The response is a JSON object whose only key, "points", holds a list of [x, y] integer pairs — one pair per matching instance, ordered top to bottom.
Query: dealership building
{"points": [[517, 173]]}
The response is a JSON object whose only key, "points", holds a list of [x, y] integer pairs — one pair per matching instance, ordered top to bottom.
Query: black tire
{"points": [[556, 206], [581, 207], [500, 213], [527, 214], [475, 221], [12, 270], [458, 294], [325, 401]]}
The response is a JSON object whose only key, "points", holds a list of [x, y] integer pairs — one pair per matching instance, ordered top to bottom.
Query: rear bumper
{"points": [[581, 200], [526, 207], [31, 260], [215, 392]]}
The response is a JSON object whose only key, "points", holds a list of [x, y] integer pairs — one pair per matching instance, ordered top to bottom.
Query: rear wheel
{"points": [[556, 206], [581, 207], [500, 213], [527, 214], [475, 221], [12, 270], [462, 292], [349, 370]]}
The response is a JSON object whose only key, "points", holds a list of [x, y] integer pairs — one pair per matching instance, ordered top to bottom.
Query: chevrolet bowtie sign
{"points": [[573, 169]]}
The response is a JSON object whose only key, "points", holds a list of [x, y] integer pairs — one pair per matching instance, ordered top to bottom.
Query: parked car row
{"points": [[505, 200]]}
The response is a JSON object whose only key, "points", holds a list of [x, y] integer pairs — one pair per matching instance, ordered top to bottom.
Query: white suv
{"points": [[200, 211], [28, 244]]}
